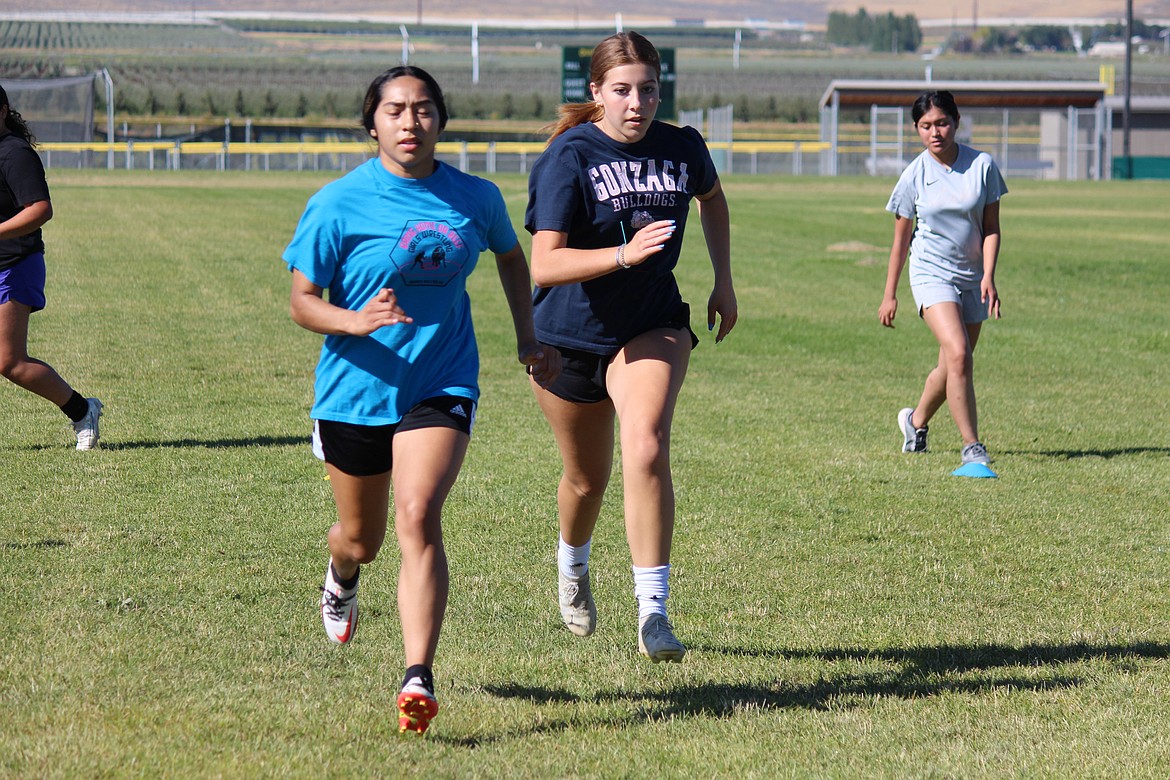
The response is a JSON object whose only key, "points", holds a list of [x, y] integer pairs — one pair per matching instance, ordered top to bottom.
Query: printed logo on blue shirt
{"points": [[429, 253]]}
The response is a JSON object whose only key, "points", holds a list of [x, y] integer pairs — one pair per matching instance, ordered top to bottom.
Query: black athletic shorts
{"points": [[582, 377], [365, 450]]}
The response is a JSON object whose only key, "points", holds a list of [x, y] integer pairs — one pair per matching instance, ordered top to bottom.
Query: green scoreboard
{"points": [[575, 78]]}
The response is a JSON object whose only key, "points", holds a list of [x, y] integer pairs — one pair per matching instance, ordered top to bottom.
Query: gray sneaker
{"points": [[87, 427], [913, 439], [975, 452], [576, 602], [656, 640]]}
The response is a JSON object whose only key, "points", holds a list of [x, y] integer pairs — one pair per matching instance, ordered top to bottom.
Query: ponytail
{"points": [[570, 115]]}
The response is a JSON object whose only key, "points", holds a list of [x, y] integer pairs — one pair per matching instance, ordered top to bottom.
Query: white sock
{"points": [[573, 561], [651, 587]]}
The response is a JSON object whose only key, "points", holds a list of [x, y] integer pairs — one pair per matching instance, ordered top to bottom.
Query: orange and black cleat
{"points": [[416, 707]]}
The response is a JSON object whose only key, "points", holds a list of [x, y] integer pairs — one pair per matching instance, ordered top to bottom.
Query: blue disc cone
{"points": [[977, 470]]}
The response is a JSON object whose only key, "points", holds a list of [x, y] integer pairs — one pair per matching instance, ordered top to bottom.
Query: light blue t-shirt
{"points": [[948, 204], [370, 230]]}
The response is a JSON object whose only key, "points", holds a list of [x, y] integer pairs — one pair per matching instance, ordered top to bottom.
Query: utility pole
{"points": [[1128, 89]]}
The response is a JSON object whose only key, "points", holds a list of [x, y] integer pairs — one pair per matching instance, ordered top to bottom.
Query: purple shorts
{"points": [[25, 282]]}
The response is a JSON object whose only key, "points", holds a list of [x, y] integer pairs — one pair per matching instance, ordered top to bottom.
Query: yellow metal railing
{"points": [[256, 155]]}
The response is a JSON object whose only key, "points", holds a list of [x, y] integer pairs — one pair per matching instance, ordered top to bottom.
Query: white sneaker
{"points": [[87, 427], [913, 439], [576, 601], [339, 609], [656, 640]]}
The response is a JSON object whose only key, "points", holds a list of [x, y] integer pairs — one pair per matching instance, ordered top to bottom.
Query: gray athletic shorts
{"points": [[937, 291]]}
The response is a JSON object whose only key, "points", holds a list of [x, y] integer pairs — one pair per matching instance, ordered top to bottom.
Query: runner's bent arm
{"points": [[27, 220], [311, 311]]}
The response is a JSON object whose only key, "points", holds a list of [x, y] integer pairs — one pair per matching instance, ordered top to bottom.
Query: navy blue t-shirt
{"points": [[22, 183], [592, 187]]}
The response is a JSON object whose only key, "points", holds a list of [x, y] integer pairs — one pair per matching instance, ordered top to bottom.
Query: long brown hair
{"points": [[624, 48], [14, 122]]}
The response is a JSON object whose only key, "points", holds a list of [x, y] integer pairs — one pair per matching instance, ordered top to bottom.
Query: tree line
{"points": [[879, 33], [890, 33]]}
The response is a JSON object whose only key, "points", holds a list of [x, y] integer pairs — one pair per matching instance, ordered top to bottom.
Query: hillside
{"points": [[809, 11]]}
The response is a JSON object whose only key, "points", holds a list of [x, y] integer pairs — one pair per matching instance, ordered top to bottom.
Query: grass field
{"points": [[850, 611]]}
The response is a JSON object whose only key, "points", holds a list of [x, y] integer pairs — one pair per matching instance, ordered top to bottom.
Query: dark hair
{"points": [[624, 48], [374, 93], [942, 100], [15, 122]]}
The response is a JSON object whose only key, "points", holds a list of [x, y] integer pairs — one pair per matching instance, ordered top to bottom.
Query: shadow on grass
{"points": [[245, 441], [215, 444], [1074, 454], [40, 544], [940, 658], [905, 673]]}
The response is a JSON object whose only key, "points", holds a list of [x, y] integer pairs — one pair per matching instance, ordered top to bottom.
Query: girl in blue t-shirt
{"points": [[608, 203], [24, 208], [946, 217], [397, 382]]}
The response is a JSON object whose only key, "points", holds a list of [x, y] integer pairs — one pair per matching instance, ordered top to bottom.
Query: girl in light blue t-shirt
{"points": [[946, 218]]}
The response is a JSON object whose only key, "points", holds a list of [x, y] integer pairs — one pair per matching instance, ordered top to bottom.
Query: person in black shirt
{"points": [[607, 207], [24, 208]]}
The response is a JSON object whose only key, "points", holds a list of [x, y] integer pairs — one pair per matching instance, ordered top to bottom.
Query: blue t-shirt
{"points": [[592, 187], [948, 204], [371, 229]]}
